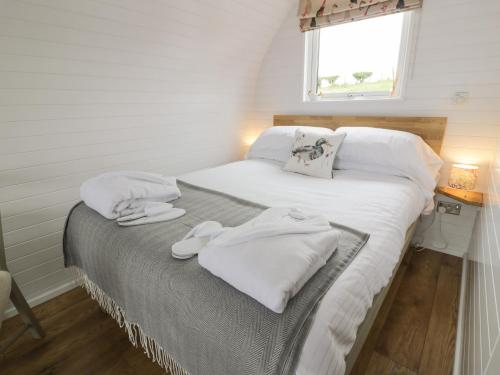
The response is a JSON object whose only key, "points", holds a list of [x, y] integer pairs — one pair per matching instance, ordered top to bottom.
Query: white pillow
{"points": [[276, 143], [389, 152], [313, 154]]}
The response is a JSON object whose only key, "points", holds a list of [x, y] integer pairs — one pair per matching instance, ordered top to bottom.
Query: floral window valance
{"points": [[314, 14]]}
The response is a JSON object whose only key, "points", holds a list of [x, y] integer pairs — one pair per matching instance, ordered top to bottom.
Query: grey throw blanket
{"points": [[188, 320]]}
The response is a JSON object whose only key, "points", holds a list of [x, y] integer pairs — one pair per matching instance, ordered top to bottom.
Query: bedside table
{"points": [[473, 198], [457, 225]]}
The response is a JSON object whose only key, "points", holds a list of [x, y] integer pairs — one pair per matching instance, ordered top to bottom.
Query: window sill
{"points": [[357, 99]]}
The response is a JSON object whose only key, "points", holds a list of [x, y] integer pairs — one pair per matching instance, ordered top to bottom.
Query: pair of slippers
{"points": [[151, 212], [143, 218], [197, 239]]}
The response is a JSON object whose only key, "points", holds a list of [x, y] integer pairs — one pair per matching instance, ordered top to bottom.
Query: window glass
{"points": [[360, 58]]}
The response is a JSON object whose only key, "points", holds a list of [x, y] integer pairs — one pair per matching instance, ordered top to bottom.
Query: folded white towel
{"points": [[118, 194], [273, 222], [271, 257]]}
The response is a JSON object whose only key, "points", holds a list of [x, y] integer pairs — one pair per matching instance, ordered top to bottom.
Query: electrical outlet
{"points": [[461, 97], [450, 208]]}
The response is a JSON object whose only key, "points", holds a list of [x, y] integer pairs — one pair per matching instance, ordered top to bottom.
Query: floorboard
{"points": [[405, 329], [413, 335], [418, 336], [440, 340], [363, 361], [380, 364]]}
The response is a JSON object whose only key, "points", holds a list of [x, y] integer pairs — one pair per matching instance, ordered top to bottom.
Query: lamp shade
{"points": [[463, 176]]}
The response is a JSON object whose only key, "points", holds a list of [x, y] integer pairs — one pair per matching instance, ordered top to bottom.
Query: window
{"points": [[357, 60]]}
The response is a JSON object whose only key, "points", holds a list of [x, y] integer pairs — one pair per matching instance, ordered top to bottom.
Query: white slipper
{"points": [[157, 208], [151, 209], [171, 214], [131, 217], [205, 229], [186, 249]]}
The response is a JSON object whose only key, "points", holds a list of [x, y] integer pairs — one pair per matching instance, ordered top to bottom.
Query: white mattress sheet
{"points": [[383, 206]]}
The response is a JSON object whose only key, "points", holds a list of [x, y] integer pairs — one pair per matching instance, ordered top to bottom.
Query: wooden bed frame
{"points": [[431, 130]]}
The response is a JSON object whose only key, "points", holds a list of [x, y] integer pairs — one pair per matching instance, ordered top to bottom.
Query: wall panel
{"points": [[88, 86], [481, 350]]}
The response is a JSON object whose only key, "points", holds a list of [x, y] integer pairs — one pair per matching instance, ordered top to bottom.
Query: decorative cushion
{"points": [[276, 143], [313, 153]]}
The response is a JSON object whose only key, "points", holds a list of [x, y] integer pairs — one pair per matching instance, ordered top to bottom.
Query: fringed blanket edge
{"points": [[136, 335]]}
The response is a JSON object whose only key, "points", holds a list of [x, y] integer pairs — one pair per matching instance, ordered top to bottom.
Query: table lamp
{"points": [[463, 176]]}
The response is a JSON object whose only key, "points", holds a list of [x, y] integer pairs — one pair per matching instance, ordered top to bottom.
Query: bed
{"points": [[386, 207]]}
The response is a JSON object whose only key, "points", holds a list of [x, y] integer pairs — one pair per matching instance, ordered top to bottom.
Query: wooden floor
{"points": [[415, 330], [414, 333]]}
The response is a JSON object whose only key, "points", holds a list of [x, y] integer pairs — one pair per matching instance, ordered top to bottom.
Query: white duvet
{"points": [[383, 206]]}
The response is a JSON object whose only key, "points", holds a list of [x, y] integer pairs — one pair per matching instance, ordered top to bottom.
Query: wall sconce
{"points": [[250, 136], [249, 140], [463, 176]]}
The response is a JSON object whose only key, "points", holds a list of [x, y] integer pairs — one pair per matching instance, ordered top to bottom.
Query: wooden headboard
{"points": [[431, 129]]}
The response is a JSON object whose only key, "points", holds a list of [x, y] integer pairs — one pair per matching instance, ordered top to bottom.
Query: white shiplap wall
{"points": [[457, 48], [88, 86], [481, 350]]}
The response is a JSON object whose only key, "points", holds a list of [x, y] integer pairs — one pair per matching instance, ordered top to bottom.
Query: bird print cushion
{"points": [[313, 153]]}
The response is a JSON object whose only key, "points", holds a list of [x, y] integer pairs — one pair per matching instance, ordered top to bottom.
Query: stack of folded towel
{"points": [[133, 198], [270, 257]]}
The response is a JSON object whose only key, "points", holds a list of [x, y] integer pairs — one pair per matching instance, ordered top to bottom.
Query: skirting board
{"points": [[449, 251], [45, 296], [459, 341]]}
